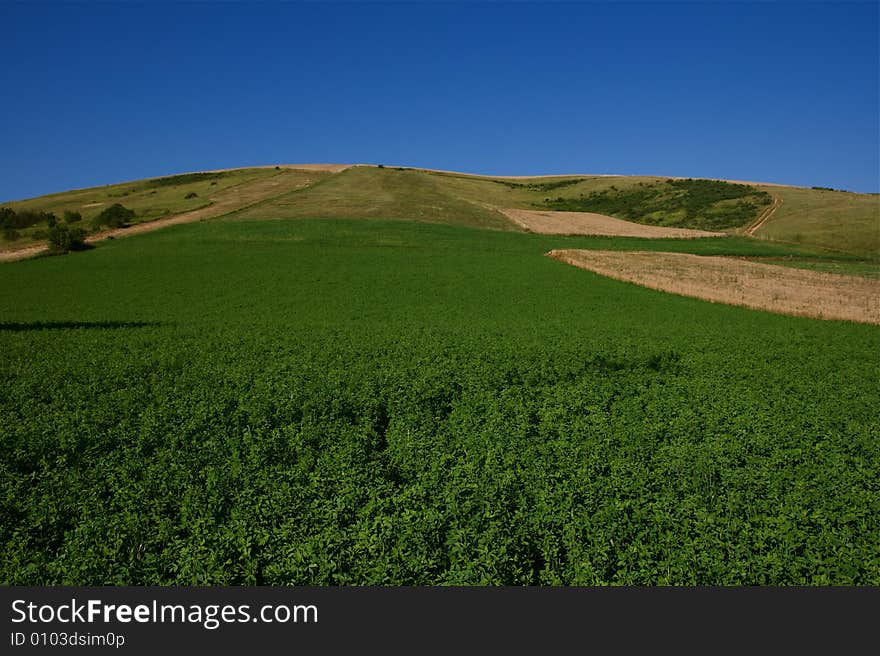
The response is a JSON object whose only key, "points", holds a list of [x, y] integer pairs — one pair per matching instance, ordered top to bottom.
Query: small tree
{"points": [[115, 216], [72, 217], [8, 218], [63, 238]]}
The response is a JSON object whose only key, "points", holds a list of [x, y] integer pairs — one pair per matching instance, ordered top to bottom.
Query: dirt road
{"points": [[766, 214]]}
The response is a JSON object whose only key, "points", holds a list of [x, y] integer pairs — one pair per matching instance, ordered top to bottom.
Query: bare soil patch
{"points": [[587, 223], [21, 253], [738, 282]]}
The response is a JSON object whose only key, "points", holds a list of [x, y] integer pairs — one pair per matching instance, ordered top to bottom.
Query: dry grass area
{"points": [[330, 168], [838, 220], [587, 223], [738, 282]]}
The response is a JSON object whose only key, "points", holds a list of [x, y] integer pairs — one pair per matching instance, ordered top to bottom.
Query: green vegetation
{"points": [[185, 179], [540, 186], [700, 204], [115, 216], [12, 220], [63, 238], [366, 402]]}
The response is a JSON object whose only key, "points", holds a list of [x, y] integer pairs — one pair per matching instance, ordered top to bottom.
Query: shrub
{"points": [[174, 180], [191, 194], [690, 203], [115, 216], [72, 217], [9, 218], [51, 220], [11, 234], [63, 238]]}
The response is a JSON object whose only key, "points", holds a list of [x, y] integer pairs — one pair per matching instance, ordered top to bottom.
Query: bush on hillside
{"points": [[689, 203], [115, 216], [72, 217], [9, 218], [63, 238]]}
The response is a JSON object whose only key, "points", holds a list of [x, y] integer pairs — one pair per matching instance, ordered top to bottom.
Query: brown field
{"points": [[587, 223], [738, 282]]}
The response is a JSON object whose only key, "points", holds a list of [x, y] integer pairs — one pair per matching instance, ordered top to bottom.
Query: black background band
{"points": [[524, 620]]}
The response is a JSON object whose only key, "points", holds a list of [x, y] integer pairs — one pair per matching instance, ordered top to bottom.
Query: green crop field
{"points": [[390, 402]]}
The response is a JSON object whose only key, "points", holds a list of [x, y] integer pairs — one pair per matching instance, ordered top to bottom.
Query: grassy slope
{"points": [[370, 192], [504, 193], [150, 199], [838, 220], [387, 402]]}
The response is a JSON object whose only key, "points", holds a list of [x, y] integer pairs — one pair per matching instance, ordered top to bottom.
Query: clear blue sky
{"points": [[106, 92]]}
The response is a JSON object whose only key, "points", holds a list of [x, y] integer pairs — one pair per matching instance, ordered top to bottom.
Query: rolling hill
{"points": [[847, 223]]}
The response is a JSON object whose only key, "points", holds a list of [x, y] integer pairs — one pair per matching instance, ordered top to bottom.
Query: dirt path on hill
{"points": [[765, 215]]}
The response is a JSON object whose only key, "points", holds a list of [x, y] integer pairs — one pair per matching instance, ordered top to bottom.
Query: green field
{"points": [[389, 402]]}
